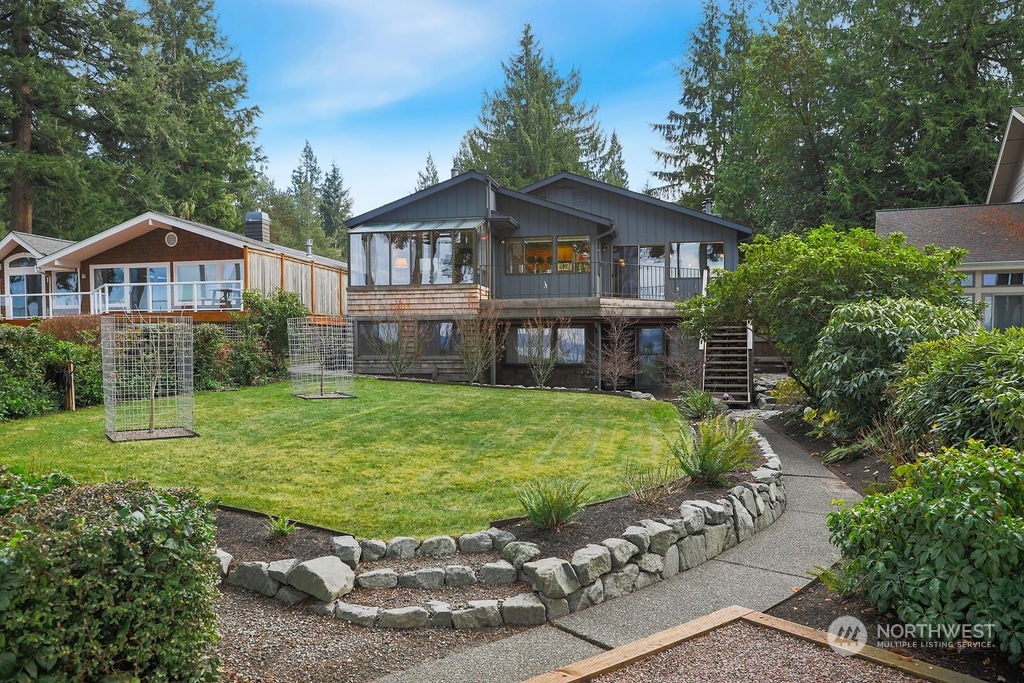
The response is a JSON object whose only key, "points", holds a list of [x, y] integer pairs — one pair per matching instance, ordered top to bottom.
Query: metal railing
{"points": [[610, 280], [207, 295], [28, 306]]}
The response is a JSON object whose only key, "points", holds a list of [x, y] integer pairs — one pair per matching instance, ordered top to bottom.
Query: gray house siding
{"points": [[465, 200], [539, 221], [640, 223]]}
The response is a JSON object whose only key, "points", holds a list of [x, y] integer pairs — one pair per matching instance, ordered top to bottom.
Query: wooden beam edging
{"points": [[623, 656]]}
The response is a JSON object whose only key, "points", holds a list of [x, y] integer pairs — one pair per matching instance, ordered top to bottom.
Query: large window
{"points": [[543, 255], [413, 258], [690, 259], [1002, 279], [215, 283], [24, 287], [141, 287], [1003, 312], [441, 337], [372, 338], [567, 343]]}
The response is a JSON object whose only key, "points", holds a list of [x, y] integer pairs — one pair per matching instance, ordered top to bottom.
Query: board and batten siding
{"points": [[1017, 186], [466, 200], [639, 222]]}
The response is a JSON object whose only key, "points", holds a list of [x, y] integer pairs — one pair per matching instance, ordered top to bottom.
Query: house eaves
{"points": [[1011, 156], [417, 196], [637, 196], [37, 245], [77, 252]]}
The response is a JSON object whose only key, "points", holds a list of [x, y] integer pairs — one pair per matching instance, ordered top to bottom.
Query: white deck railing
{"points": [[216, 295]]}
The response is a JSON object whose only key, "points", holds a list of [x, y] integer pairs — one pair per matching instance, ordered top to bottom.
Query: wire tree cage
{"points": [[320, 357], [147, 377]]}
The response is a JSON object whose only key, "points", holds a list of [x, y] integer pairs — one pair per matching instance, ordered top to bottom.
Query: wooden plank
{"points": [[870, 653], [625, 655]]}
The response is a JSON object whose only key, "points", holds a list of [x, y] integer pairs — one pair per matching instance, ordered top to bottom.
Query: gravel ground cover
{"points": [[744, 652]]}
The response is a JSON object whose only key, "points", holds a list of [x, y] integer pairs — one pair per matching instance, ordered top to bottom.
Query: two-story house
{"points": [[566, 249]]}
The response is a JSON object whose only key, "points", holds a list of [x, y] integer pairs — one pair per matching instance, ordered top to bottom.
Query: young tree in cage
{"points": [[398, 339], [481, 340], [539, 347], [616, 360]]}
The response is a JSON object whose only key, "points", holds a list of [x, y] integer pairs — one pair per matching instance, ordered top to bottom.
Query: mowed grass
{"points": [[403, 458]]}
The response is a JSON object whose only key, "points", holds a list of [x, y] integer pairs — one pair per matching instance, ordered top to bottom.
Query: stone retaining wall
{"points": [[648, 552]]}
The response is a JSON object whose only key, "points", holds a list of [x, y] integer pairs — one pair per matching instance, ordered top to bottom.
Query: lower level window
{"points": [[1004, 312], [372, 337], [440, 337], [567, 344]]}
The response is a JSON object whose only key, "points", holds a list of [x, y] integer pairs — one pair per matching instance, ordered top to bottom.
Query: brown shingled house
{"points": [[992, 233]]}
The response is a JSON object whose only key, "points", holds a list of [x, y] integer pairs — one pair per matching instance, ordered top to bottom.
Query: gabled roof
{"points": [[1011, 156], [469, 176], [417, 196], [637, 196], [991, 233], [37, 245], [77, 252]]}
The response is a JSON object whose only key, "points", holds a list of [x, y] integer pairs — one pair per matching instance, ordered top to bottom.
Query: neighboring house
{"points": [[992, 233], [566, 248], [156, 263], [26, 292]]}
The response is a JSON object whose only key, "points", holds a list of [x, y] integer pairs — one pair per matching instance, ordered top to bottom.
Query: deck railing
{"points": [[613, 280], [208, 295], [27, 306]]}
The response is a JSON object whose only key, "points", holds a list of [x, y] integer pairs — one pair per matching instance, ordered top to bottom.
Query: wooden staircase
{"points": [[728, 371]]}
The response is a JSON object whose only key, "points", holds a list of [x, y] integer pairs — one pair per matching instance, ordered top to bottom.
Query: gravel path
{"points": [[264, 641], [744, 652]]}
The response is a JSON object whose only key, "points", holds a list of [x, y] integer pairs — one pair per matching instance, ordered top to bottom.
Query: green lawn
{"points": [[404, 458]]}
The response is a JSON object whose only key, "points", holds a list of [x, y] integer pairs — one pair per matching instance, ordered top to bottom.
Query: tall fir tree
{"points": [[56, 57], [535, 125], [697, 135], [613, 167], [428, 177], [335, 209]]}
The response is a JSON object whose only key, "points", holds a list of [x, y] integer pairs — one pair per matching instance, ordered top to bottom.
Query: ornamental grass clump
{"points": [[717, 446], [550, 503]]}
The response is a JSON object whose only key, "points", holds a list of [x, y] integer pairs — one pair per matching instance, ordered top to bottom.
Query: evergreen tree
{"points": [[56, 56], [711, 81], [108, 111], [535, 125], [613, 168], [428, 176], [335, 208]]}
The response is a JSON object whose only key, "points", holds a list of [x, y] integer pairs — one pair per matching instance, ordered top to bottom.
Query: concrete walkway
{"points": [[758, 574]]}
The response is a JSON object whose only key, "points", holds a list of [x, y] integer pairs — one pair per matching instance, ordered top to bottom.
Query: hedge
{"points": [[108, 581]]}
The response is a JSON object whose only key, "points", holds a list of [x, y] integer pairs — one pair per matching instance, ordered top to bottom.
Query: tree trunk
{"points": [[21, 185]]}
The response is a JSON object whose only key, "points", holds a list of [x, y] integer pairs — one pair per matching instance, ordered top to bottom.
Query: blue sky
{"points": [[376, 85]]}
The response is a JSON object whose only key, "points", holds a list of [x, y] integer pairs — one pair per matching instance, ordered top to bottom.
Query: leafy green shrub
{"points": [[787, 287], [267, 317], [860, 347], [209, 352], [248, 361], [88, 367], [969, 387], [24, 389], [788, 393], [695, 404], [718, 445], [18, 487], [549, 503], [278, 527], [948, 547], [108, 582]]}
